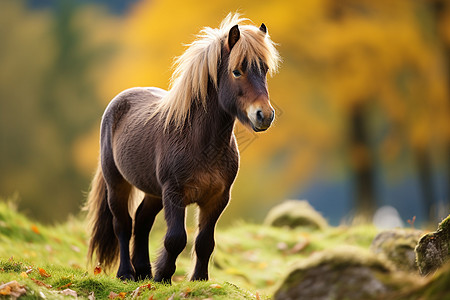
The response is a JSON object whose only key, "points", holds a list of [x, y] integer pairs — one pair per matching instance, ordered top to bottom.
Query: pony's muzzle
{"points": [[260, 118]]}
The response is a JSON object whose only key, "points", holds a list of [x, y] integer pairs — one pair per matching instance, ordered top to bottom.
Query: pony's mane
{"points": [[199, 63]]}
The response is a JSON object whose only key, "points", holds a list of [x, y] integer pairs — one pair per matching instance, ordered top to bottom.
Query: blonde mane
{"points": [[199, 64]]}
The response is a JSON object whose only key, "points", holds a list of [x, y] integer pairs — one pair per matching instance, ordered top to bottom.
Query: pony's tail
{"points": [[103, 242]]}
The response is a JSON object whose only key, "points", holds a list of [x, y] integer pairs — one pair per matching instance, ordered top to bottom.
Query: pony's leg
{"points": [[118, 203], [143, 222], [175, 239], [204, 243]]}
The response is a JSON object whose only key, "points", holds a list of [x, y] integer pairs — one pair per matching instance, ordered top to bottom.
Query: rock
{"points": [[295, 213], [397, 245], [433, 249], [341, 273], [434, 287]]}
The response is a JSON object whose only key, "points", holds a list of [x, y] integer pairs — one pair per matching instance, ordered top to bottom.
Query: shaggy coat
{"points": [[178, 148]]}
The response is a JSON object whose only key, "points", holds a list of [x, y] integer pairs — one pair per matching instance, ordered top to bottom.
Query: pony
{"points": [[178, 148]]}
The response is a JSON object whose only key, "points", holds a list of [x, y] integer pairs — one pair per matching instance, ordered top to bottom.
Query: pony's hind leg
{"points": [[118, 203], [143, 222], [175, 239], [204, 243]]}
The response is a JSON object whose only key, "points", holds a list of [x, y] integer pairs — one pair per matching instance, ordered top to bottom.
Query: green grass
{"points": [[248, 263], [101, 286]]}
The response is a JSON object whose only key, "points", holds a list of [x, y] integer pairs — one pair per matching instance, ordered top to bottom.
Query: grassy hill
{"points": [[249, 262]]}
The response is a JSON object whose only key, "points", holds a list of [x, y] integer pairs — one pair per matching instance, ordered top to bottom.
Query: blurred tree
{"points": [[441, 10], [361, 80], [362, 92], [49, 100], [362, 162]]}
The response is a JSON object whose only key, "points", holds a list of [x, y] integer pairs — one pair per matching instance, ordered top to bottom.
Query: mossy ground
{"points": [[249, 261]]}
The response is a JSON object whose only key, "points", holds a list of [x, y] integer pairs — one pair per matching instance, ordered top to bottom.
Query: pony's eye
{"points": [[237, 73]]}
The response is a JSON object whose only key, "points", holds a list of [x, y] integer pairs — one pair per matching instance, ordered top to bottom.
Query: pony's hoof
{"points": [[143, 271], [126, 276], [143, 276], [199, 278], [162, 279]]}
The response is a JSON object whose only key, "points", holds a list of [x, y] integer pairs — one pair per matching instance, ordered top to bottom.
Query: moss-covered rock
{"points": [[295, 213], [397, 245], [433, 249], [341, 273], [433, 287]]}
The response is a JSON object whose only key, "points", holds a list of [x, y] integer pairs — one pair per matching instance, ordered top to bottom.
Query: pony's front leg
{"points": [[143, 222], [175, 239], [204, 243]]}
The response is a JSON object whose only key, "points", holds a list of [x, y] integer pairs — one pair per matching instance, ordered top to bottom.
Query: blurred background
{"points": [[362, 100]]}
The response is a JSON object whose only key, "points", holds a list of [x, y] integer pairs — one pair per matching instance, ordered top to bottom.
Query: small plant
{"points": [[411, 222]]}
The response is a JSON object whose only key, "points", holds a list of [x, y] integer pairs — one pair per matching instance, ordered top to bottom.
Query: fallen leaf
{"points": [[35, 229], [282, 246], [299, 246], [75, 248], [262, 265], [75, 266], [97, 270], [44, 273], [24, 275], [38, 282], [269, 282], [65, 286], [148, 286], [215, 286], [12, 289], [5, 290], [69, 292], [137, 292], [186, 292], [113, 295], [91, 296], [257, 296], [151, 297], [171, 297]]}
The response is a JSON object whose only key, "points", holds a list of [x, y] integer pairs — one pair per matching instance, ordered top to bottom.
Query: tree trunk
{"points": [[362, 163], [425, 174]]}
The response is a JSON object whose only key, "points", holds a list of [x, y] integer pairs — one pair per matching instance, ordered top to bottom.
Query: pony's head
{"points": [[248, 55], [235, 58]]}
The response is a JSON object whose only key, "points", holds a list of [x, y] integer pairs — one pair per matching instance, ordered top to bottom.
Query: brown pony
{"points": [[178, 148]]}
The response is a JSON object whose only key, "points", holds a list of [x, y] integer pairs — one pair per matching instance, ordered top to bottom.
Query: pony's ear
{"points": [[263, 28], [233, 36]]}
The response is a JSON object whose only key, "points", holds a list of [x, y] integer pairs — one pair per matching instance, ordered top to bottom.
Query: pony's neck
{"points": [[211, 124]]}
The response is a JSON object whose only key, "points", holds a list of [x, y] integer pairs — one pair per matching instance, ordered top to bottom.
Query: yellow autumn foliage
{"points": [[336, 54], [386, 56]]}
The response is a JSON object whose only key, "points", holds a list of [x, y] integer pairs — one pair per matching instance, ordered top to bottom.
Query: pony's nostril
{"points": [[259, 116], [272, 116]]}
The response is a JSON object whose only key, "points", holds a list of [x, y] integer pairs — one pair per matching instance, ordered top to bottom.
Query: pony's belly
{"points": [[141, 175], [147, 185], [204, 187]]}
